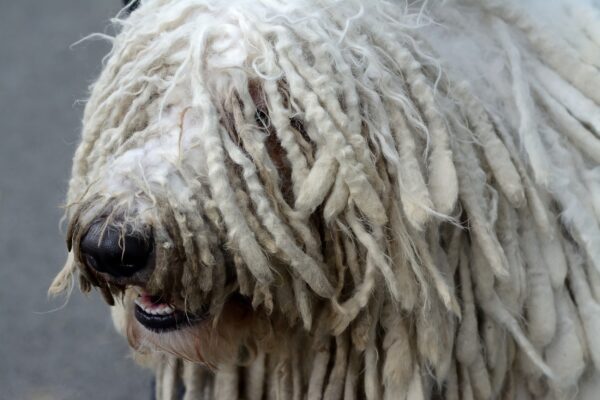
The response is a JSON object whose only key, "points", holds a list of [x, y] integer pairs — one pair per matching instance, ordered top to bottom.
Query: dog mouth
{"points": [[159, 316]]}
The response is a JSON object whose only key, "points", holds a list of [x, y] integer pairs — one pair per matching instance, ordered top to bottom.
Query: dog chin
{"points": [[207, 340]]}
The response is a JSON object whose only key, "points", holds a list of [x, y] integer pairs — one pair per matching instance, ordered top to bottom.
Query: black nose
{"points": [[112, 251]]}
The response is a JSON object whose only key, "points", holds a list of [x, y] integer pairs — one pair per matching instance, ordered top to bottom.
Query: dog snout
{"points": [[115, 251]]}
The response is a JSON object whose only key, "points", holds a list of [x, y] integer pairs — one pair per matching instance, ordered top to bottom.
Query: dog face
{"points": [[148, 233]]}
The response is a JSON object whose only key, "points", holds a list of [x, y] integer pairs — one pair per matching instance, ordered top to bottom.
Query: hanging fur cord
{"points": [[413, 207]]}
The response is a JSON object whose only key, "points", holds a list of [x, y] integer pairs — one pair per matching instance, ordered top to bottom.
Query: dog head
{"points": [[207, 194]]}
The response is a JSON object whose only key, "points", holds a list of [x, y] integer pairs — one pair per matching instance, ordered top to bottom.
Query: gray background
{"points": [[72, 353]]}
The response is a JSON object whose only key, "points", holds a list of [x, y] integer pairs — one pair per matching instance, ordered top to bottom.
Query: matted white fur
{"points": [[409, 194]]}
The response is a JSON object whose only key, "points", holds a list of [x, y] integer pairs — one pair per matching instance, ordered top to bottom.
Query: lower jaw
{"points": [[167, 323]]}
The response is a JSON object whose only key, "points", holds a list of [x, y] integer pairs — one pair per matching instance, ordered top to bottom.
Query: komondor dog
{"points": [[358, 199]]}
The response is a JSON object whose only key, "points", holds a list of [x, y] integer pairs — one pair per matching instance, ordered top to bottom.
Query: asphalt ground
{"points": [[73, 352]]}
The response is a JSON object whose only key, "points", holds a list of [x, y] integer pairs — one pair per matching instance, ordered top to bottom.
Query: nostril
{"points": [[109, 250], [91, 261]]}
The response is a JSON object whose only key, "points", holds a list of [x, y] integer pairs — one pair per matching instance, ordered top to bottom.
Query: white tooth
{"points": [[168, 310]]}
